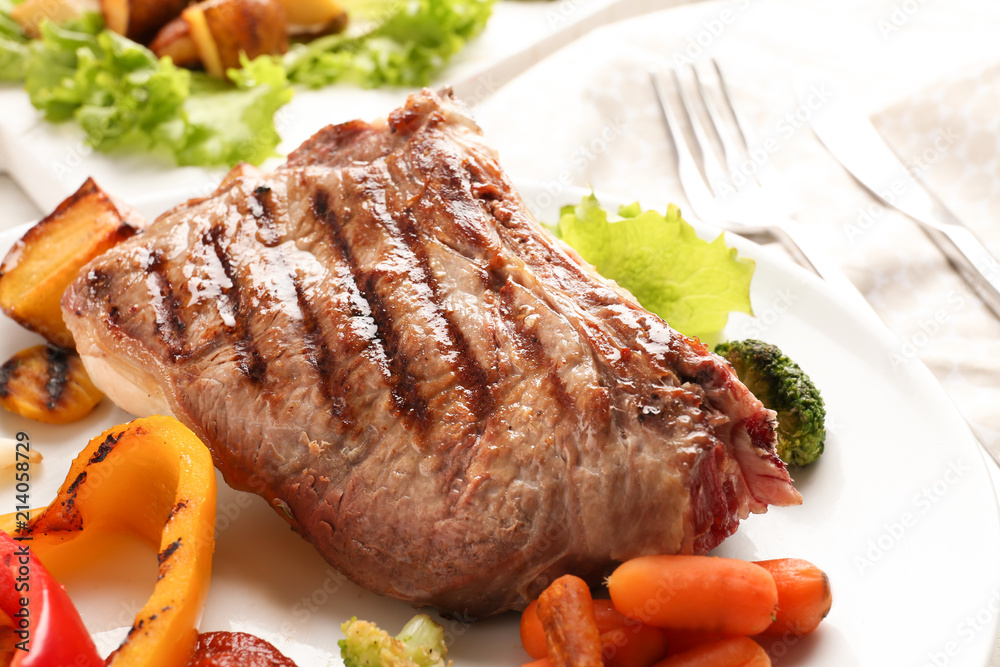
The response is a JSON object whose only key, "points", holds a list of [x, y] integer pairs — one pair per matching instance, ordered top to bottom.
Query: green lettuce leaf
{"points": [[404, 44], [123, 96], [228, 124], [691, 283]]}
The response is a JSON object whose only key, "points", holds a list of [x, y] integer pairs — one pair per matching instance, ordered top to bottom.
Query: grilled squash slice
{"points": [[48, 384]]}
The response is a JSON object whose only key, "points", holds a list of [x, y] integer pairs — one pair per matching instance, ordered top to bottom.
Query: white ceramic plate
{"points": [[900, 512]]}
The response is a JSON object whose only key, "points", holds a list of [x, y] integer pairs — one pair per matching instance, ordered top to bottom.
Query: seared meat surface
{"points": [[379, 339]]}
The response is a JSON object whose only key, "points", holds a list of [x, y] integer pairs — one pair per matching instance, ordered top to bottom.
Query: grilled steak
{"points": [[379, 339]]}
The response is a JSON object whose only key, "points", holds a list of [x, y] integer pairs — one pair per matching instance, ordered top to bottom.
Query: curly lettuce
{"points": [[400, 43], [13, 45], [124, 96], [691, 283]]}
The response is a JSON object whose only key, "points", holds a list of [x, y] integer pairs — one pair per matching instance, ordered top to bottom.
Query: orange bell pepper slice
{"points": [[154, 478]]}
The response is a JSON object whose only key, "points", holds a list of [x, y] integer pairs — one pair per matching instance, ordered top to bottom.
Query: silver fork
{"points": [[749, 202], [754, 204]]}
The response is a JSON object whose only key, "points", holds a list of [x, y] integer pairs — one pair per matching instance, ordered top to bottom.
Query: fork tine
{"points": [[743, 125], [746, 130], [731, 149], [764, 170], [716, 176], [694, 186]]}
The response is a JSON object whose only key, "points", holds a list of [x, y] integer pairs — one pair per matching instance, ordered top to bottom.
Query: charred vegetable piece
{"points": [[140, 20], [223, 29], [174, 41], [37, 269], [48, 384], [784, 387], [153, 478], [566, 611], [45, 627]]}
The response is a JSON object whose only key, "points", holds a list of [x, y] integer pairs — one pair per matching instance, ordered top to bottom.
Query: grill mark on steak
{"points": [[262, 207], [169, 326], [533, 349], [320, 357], [249, 360], [473, 377], [403, 385]]}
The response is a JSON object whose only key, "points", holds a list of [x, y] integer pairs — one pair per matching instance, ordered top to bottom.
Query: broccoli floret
{"points": [[782, 386], [419, 644]]}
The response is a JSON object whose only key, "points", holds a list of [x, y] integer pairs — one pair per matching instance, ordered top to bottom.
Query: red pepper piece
{"points": [[48, 627]]}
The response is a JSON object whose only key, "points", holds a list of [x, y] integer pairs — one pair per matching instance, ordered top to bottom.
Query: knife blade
{"points": [[849, 135]]}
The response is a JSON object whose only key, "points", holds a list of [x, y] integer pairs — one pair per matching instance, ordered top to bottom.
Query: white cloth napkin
{"points": [[949, 135]]}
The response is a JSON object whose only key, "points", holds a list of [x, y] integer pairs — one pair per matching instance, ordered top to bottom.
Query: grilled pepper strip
{"points": [[153, 478], [47, 627]]}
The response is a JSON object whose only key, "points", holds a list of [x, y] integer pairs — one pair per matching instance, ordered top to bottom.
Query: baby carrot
{"points": [[725, 595], [804, 596], [566, 610], [607, 617], [532, 632], [679, 641], [633, 644], [731, 652]]}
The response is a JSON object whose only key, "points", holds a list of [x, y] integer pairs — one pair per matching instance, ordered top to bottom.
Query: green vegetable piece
{"points": [[404, 44], [13, 45], [123, 97], [228, 124], [691, 283], [781, 385], [419, 644]]}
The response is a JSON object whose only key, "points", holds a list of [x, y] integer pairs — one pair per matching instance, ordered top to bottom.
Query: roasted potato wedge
{"points": [[312, 12], [314, 17], [140, 20], [222, 29], [175, 41], [39, 267], [48, 384]]}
